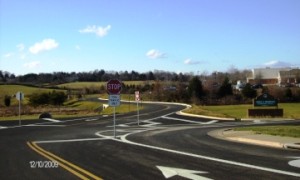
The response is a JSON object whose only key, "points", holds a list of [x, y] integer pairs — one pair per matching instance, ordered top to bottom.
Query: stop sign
{"points": [[114, 86]]}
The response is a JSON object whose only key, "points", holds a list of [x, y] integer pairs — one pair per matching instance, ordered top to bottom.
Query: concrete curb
{"points": [[202, 116], [219, 134], [292, 146]]}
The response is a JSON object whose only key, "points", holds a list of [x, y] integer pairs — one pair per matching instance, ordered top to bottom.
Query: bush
{"points": [[249, 92], [54, 98], [7, 100], [45, 115]]}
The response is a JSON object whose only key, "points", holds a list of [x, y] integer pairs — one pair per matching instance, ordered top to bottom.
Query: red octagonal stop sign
{"points": [[114, 86]]}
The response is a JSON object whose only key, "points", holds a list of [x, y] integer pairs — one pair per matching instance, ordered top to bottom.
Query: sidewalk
{"points": [[258, 139]]}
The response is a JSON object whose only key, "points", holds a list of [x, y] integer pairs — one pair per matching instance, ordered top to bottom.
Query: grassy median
{"points": [[291, 110], [289, 131]]}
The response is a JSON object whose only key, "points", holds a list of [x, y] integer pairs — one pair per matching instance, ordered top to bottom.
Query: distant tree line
{"points": [[102, 75], [200, 88]]}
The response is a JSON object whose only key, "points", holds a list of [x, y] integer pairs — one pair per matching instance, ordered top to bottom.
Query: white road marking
{"points": [[52, 120], [91, 120], [183, 120], [189, 121], [210, 122], [150, 123], [45, 125], [122, 125], [3, 127], [124, 139], [70, 140], [295, 163], [169, 172]]}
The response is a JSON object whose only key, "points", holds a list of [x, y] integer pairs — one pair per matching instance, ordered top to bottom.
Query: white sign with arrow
{"points": [[169, 172]]}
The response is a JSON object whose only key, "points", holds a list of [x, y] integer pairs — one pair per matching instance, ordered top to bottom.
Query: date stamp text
{"points": [[43, 164]]}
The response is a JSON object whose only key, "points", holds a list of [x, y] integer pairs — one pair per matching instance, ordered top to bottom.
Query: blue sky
{"points": [[172, 35]]}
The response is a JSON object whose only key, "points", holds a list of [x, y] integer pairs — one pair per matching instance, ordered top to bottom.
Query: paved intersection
{"points": [[165, 145]]}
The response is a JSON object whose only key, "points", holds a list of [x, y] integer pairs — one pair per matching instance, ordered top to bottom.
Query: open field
{"points": [[81, 85], [11, 90], [86, 107], [71, 108], [291, 110], [290, 131]]}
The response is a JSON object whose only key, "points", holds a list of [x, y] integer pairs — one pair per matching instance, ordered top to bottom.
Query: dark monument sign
{"points": [[265, 100]]}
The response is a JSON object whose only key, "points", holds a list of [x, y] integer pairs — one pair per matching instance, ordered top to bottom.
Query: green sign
{"points": [[265, 100]]}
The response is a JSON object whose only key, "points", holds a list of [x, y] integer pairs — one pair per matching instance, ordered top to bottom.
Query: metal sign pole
{"points": [[20, 110], [138, 112], [114, 122]]}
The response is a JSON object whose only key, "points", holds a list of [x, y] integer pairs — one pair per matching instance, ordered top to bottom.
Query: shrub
{"points": [[7, 100]]}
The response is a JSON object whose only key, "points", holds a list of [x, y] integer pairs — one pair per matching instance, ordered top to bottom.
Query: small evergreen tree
{"points": [[195, 88], [225, 88], [249, 92], [289, 94], [58, 98], [7, 100]]}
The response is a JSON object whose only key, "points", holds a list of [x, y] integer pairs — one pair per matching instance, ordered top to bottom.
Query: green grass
{"points": [[81, 85], [11, 90], [75, 108], [291, 110], [290, 131]]}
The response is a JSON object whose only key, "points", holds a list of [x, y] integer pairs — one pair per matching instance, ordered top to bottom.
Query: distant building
{"points": [[274, 76], [289, 77]]}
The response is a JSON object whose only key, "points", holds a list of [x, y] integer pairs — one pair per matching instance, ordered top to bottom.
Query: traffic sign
{"points": [[114, 86], [20, 96], [137, 96], [114, 100]]}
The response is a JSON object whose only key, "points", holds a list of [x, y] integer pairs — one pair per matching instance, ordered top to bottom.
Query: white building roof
{"points": [[267, 73]]}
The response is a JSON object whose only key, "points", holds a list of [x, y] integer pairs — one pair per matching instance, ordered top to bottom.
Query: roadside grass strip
{"points": [[72, 168]]}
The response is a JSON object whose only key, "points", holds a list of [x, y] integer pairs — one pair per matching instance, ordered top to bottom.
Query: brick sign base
{"points": [[265, 112]]}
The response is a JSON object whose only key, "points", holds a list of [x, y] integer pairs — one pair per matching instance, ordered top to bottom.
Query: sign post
{"points": [[114, 88], [20, 97], [137, 99]]}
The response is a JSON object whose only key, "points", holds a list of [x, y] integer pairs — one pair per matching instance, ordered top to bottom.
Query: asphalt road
{"points": [[165, 145]]}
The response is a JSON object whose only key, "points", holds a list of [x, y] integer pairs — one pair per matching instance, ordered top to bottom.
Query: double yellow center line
{"points": [[72, 168]]}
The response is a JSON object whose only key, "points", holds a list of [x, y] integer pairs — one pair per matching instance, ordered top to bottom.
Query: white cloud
{"points": [[98, 30], [45, 45], [21, 47], [155, 54], [8, 55], [191, 62], [32, 64], [277, 64]]}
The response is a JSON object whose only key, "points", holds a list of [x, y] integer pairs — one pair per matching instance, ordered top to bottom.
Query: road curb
{"points": [[202, 116], [219, 134], [291, 146]]}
